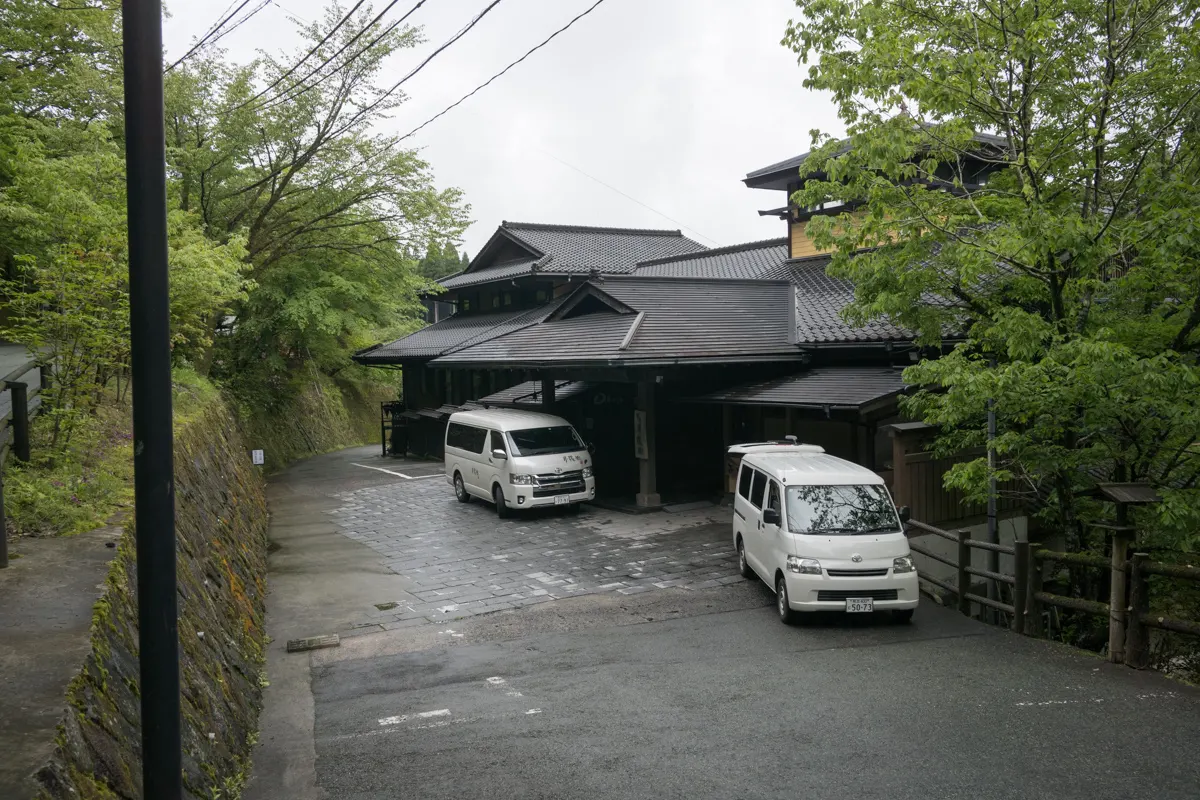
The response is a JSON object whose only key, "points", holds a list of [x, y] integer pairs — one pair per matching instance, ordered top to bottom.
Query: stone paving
{"points": [[463, 560]]}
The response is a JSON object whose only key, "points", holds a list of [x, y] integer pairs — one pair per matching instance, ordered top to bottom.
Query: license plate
{"points": [[561, 500], [859, 605]]}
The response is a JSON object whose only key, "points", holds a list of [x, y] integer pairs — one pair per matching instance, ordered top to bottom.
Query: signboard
{"points": [[639, 435], [256, 456]]}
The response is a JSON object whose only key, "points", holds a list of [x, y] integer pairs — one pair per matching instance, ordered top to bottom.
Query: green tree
{"points": [[440, 261], [1072, 274]]}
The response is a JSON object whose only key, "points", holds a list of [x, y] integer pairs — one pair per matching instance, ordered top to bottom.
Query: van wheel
{"points": [[460, 490], [502, 509], [572, 509], [744, 567], [786, 615], [902, 617]]}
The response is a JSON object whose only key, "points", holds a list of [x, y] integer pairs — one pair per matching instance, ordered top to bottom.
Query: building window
{"points": [[541, 295], [508, 300], [495, 301]]}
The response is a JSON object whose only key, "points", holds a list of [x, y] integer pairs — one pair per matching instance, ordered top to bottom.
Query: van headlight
{"points": [[587, 472], [522, 480], [903, 564], [803, 566]]}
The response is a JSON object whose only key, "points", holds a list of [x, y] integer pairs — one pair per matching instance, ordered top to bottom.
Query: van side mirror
{"points": [[591, 448], [500, 454], [905, 514], [771, 516]]}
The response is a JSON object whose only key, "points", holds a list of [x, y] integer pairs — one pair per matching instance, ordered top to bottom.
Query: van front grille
{"points": [[550, 483], [857, 573], [829, 595]]}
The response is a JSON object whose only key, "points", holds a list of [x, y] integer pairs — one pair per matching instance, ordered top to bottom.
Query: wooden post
{"points": [[19, 393], [548, 395], [726, 441], [901, 488], [648, 496], [3, 523], [964, 577], [1021, 584], [1116, 597], [1033, 606], [1137, 635]]}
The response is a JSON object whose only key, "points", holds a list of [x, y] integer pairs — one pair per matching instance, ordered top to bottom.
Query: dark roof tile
{"points": [[742, 261], [824, 386]]}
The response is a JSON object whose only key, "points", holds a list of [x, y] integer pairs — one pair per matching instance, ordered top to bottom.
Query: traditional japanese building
{"points": [[701, 347]]}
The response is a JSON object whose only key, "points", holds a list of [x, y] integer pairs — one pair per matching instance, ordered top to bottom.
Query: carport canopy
{"points": [[859, 389]]}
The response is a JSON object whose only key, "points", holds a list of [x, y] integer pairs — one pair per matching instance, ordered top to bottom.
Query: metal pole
{"points": [[150, 357], [19, 394], [3, 520], [993, 530], [1020, 584]]}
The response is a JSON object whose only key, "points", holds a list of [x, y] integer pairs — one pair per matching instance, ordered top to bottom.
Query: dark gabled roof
{"points": [[781, 173], [568, 250], [741, 261], [820, 299], [678, 320], [453, 333], [840, 387], [529, 393]]}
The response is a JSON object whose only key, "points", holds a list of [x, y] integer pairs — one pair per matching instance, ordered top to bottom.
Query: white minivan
{"points": [[517, 459], [822, 531]]}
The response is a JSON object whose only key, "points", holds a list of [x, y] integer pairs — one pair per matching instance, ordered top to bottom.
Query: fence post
{"points": [[19, 393], [383, 437], [3, 524], [964, 578], [1021, 584], [1116, 597], [1033, 606], [1137, 636]]}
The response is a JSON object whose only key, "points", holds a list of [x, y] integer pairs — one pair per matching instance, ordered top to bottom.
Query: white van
{"points": [[517, 459], [822, 531]]}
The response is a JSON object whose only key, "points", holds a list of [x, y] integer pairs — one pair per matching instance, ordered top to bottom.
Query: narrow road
{"points": [[689, 690]]}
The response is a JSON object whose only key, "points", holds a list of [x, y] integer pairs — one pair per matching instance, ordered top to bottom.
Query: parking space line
{"points": [[397, 474]]}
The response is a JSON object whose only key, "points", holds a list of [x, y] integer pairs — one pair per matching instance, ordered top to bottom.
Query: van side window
{"points": [[454, 435], [466, 437], [498, 441], [744, 481], [759, 488], [773, 497]]}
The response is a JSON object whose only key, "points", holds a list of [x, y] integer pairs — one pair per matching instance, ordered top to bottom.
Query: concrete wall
{"points": [[221, 534]]}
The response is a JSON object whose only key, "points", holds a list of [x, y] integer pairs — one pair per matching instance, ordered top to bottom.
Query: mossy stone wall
{"points": [[221, 519]]}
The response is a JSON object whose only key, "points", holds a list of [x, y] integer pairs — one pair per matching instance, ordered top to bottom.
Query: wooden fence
{"points": [[25, 402], [1129, 614]]}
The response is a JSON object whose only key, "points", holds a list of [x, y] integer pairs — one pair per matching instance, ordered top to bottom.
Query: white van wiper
{"points": [[884, 529], [819, 531]]}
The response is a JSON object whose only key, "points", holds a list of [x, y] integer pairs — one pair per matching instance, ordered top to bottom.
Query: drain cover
{"points": [[386, 606], [313, 643]]}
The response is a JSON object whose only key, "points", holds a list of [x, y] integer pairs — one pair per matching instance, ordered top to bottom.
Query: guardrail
{"points": [[14, 431], [1129, 619]]}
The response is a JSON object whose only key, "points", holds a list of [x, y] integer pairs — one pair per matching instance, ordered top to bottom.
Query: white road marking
{"points": [[398, 474], [451, 632], [500, 683], [533, 711], [441, 712]]}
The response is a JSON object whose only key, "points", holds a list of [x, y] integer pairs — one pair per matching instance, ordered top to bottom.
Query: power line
{"points": [[213, 30], [531, 51], [307, 55], [284, 95], [628, 196]]}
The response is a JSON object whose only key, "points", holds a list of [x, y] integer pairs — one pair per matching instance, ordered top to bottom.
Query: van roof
{"points": [[507, 419], [806, 465]]}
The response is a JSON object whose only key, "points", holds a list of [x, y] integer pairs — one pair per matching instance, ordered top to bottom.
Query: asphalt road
{"points": [[706, 695]]}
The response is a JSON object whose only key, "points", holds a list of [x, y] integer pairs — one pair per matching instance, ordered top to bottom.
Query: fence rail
{"points": [[14, 430], [1129, 618]]}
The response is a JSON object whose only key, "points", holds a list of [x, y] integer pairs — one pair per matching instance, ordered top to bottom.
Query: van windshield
{"points": [[541, 441], [841, 510]]}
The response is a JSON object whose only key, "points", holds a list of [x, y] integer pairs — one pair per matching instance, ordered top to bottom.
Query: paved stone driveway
{"points": [[463, 560]]}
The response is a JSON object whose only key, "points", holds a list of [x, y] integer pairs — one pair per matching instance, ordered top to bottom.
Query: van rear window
{"points": [[465, 437], [744, 481], [756, 493]]}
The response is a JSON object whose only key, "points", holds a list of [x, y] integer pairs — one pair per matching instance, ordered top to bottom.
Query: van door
{"points": [[499, 466], [475, 469], [743, 520], [776, 542], [756, 551]]}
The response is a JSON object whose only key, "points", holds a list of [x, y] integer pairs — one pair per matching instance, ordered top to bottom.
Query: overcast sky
{"points": [[671, 102]]}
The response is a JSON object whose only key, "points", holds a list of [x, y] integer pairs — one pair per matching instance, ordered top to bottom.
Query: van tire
{"points": [[460, 489], [502, 509], [572, 509], [744, 567], [786, 615], [903, 617]]}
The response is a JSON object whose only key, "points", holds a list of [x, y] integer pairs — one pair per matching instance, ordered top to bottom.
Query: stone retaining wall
{"points": [[221, 533]]}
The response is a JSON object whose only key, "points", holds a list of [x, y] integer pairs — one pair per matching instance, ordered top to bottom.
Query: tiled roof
{"points": [[576, 249], [741, 261], [820, 299], [677, 320], [453, 333], [825, 386], [529, 393]]}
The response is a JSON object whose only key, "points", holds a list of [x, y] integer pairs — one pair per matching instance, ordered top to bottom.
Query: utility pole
{"points": [[150, 356], [993, 530]]}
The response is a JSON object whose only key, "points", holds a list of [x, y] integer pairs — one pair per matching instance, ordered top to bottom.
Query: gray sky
{"points": [[670, 101]]}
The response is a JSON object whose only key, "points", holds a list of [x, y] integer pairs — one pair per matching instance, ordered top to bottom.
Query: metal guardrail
{"points": [[14, 431], [1129, 620]]}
